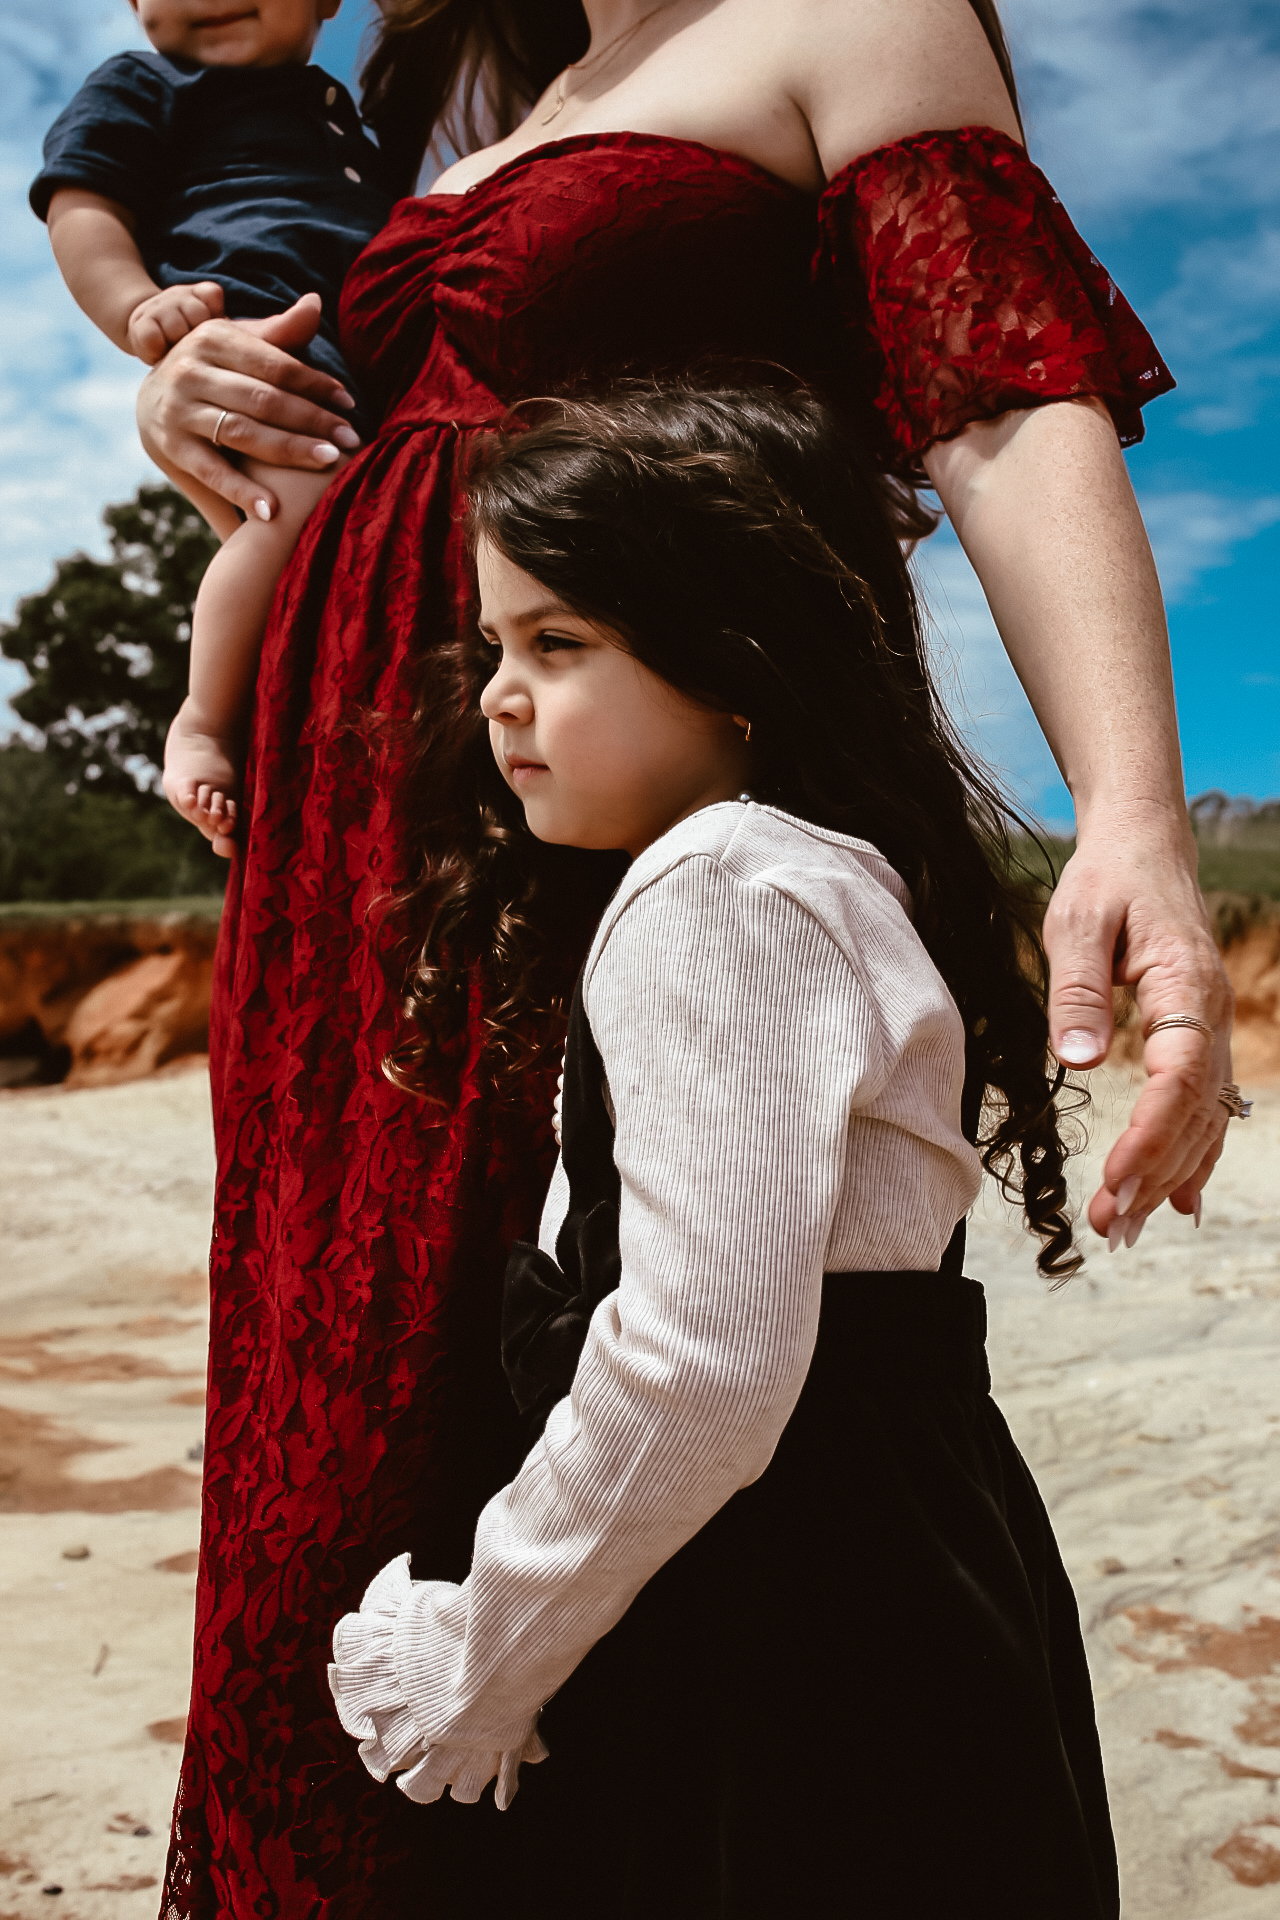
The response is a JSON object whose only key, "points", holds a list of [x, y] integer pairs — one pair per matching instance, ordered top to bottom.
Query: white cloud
{"points": [[1131, 106], [1172, 111], [67, 438], [1195, 531], [1191, 532]]}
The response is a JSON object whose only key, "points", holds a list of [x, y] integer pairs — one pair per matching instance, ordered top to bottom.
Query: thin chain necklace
{"points": [[611, 46]]}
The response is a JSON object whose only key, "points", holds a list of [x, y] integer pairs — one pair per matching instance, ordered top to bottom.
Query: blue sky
{"points": [[1160, 127]]}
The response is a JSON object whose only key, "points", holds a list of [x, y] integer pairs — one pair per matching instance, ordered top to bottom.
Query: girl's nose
{"points": [[505, 700]]}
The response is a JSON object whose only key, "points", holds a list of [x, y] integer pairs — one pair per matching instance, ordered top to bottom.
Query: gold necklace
{"points": [[580, 66]]}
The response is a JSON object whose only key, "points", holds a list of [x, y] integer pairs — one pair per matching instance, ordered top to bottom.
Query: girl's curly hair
{"points": [[736, 544]]}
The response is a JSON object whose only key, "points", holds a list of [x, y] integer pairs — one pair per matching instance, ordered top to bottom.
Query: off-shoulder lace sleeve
{"points": [[967, 292]]}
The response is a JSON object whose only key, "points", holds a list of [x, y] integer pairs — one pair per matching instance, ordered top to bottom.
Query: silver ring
{"points": [[218, 429], [1231, 1098]]}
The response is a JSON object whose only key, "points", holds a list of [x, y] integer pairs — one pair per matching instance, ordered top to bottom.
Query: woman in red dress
{"points": [[711, 178]]}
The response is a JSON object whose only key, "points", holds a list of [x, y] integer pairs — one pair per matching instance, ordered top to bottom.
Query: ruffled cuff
{"points": [[366, 1689], [371, 1696]]}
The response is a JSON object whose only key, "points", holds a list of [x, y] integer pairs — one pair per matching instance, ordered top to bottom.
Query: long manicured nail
{"points": [[346, 437], [325, 452], [263, 509], [1077, 1047], [1128, 1193], [1197, 1210], [1133, 1228], [1115, 1232]]}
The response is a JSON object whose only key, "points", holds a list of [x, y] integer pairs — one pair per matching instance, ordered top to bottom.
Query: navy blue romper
{"points": [[261, 178]]}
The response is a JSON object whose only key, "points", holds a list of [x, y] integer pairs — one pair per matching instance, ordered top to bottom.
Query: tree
{"points": [[106, 645], [82, 816], [89, 845]]}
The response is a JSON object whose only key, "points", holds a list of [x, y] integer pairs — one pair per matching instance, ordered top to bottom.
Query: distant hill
{"points": [[1239, 844]]}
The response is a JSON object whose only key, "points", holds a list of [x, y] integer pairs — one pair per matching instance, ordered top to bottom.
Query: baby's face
{"points": [[234, 33]]}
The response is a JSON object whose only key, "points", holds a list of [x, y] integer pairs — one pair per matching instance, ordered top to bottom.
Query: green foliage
{"points": [[106, 645], [82, 816], [91, 845], [1239, 847], [1040, 861]]}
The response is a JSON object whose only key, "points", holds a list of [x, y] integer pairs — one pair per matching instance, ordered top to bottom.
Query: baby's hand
{"points": [[158, 323]]}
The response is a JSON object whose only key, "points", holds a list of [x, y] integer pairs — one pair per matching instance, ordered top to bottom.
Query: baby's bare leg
{"points": [[201, 756]]}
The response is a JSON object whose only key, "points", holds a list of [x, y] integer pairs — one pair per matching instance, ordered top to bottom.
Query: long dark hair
{"points": [[467, 71], [735, 543]]}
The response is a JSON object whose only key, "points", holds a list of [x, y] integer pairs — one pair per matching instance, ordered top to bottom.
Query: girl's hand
{"points": [[159, 322], [240, 380], [1127, 909], [467, 1771]]}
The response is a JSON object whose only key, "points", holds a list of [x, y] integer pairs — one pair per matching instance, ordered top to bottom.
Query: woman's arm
{"points": [[276, 406], [1042, 504]]}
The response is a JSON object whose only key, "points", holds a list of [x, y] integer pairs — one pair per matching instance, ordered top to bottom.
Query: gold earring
{"points": [[748, 733]]}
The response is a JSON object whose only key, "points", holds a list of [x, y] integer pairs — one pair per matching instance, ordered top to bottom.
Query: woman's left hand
{"points": [[1127, 909]]}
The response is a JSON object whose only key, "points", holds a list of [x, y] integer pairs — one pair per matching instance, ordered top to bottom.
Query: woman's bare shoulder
{"points": [[867, 72], [800, 89]]}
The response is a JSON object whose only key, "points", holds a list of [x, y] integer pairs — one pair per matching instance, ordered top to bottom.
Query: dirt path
{"points": [[104, 1217], [1144, 1394]]}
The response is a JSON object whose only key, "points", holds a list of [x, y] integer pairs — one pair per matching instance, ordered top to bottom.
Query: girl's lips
{"points": [[211, 20]]}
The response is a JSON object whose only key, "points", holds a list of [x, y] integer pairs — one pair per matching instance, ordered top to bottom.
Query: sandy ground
{"points": [[1145, 1395]]}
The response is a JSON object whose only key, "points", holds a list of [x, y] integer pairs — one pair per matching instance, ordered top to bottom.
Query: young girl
{"points": [[220, 174], [773, 1595]]}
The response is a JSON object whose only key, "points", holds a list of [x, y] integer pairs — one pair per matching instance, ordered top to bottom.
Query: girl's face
{"points": [[600, 750]]}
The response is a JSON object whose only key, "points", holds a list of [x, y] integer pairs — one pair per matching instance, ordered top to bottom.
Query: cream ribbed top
{"points": [[785, 1066]]}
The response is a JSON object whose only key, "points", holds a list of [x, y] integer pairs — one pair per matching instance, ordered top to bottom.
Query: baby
{"points": [[219, 175]]}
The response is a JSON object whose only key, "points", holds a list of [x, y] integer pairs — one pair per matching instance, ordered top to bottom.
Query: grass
{"points": [[1233, 868], [199, 906]]}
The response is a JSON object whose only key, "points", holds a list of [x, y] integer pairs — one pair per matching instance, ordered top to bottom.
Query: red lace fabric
{"points": [[967, 292], [357, 1406]]}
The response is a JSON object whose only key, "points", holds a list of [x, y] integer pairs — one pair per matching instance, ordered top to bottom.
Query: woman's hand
{"points": [[278, 410], [1042, 504], [1127, 909]]}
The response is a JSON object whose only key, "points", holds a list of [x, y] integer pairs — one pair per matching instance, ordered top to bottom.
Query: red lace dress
{"points": [[357, 1406]]}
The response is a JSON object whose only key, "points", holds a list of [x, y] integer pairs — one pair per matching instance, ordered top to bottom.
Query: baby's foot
{"points": [[201, 781]]}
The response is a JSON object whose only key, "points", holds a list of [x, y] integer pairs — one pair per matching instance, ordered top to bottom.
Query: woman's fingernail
{"points": [[342, 398], [346, 436], [325, 452], [262, 509], [1077, 1047], [1128, 1193], [1197, 1209], [1133, 1228], [1115, 1232]]}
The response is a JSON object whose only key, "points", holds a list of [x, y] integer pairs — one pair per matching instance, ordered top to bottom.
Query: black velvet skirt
{"points": [[860, 1690]]}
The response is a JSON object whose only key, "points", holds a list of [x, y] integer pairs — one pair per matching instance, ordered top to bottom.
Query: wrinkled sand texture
{"points": [[1144, 1395]]}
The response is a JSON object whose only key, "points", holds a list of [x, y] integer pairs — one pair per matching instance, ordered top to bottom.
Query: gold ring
{"points": [[218, 429], [1172, 1020], [1230, 1097]]}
